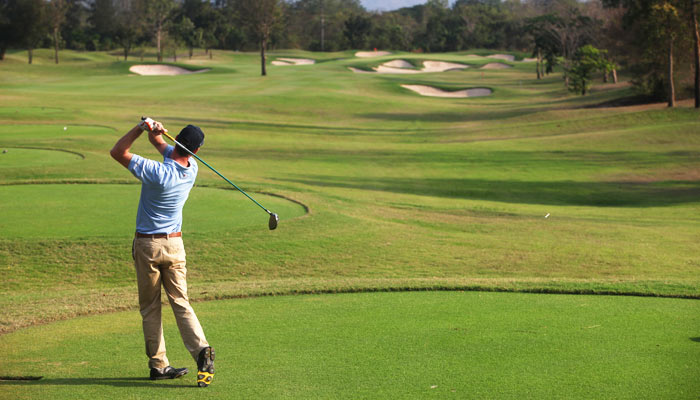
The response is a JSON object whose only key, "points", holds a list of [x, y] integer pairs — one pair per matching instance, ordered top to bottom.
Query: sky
{"points": [[388, 5]]}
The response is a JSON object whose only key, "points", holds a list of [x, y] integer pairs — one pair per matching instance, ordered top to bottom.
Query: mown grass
{"points": [[404, 190], [382, 345]]}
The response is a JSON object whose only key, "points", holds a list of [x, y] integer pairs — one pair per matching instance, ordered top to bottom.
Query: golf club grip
{"points": [[165, 132]]}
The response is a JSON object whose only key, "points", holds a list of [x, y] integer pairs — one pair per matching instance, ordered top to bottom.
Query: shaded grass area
{"points": [[599, 194], [398, 345]]}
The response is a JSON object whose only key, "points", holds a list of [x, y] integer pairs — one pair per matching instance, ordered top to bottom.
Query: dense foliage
{"points": [[652, 38]]}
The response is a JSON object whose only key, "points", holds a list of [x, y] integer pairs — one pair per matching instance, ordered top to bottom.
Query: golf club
{"points": [[272, 223]]}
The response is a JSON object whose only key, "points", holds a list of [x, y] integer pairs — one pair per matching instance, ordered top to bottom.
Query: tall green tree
{"points": [[159, 12], [56, 16], [693, 16], [261, 17], [665, 18], [102, 19], [28, 20], [129, 23], [357, 30], [661, 32], [7, 34], [190, 35], [586, 61]]}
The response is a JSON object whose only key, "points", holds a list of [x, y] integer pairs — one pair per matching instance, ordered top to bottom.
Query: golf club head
{"points": [[272, 224]]}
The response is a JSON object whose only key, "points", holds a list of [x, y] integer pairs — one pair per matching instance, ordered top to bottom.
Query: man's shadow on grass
{"points": [[116, 382]]}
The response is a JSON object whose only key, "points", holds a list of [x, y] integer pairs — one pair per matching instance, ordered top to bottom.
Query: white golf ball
{"points": [[65, 128], [547, 216]]}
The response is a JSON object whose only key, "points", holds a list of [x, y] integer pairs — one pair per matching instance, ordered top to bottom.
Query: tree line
{"points": [[655, 40]]}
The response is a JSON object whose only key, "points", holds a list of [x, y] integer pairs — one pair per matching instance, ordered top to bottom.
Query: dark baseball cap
{"points": [[191, 137]]}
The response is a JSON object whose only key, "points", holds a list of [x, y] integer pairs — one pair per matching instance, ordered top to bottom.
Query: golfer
{"points": [[158, 251]]}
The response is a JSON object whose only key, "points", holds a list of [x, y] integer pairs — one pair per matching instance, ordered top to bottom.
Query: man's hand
{"points": [[151, 126]]}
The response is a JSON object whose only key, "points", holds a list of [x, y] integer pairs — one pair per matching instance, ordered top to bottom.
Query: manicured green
{"points": [[382, 345]]}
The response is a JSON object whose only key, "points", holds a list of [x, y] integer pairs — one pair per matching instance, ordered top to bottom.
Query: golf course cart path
{"points": [[293, 61], [161, 69], [435, 92]]}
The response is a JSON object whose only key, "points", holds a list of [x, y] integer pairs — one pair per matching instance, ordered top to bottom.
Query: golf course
{"points": [[449, 227]]}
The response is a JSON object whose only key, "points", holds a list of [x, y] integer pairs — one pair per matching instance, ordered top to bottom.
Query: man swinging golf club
{"points": [[158, 251]]}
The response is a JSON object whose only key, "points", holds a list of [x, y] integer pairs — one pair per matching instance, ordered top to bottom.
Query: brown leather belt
{"points": [[158, 235]]}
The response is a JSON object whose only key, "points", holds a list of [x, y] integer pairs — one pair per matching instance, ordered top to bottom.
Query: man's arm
{"points": [[156, 139], [120, 151]]}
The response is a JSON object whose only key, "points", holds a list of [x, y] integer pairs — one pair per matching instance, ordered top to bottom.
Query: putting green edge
{"points": [[101, 301]]}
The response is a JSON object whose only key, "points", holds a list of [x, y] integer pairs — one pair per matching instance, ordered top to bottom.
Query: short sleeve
{"points": [[168, 151], [144, 169]]}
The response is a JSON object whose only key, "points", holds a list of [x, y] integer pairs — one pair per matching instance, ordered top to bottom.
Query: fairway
{"points": [[530, 190], [383, 345]]}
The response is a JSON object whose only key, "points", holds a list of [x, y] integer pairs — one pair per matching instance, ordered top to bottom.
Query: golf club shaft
{"points": [[217, 172]]}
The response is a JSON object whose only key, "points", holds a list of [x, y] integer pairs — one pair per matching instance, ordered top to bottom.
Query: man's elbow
{"points": [[115, 153], [122, 157]]}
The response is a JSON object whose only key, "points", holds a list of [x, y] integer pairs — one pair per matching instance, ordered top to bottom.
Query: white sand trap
{"points": [[366, 54], [506, 57], [529, 59], [293, 61], [398, 64], [441, 66], [496, 66], [404, 67], [384, 69], [162, 70], [360, 71], [435, 92]]}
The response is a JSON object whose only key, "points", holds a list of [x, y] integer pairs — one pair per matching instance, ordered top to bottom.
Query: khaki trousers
{"points": [[162, 261]]}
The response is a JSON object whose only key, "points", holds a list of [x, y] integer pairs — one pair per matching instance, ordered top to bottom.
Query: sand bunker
{"points": [[366, 54], [506, 57], [529, 59], [293, 61], [399, 64], [441, 66], [496, 66], [404, 67], [385, 69], [162, 70], [360, 71], [435, 92]]}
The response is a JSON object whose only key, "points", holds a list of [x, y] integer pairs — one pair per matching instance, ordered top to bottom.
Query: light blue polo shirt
{"points": [[164, 190]]}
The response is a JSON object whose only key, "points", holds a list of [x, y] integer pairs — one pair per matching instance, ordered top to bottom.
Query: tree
{"points": [[159, 11], [56, 16], [261, 17], [665, 18], [102, 19], [28, 20], [129, 23], [357, 29], [568, 31], [661, 33], [7, 34], [189, 34], [545, 46], [696, 49], [586, 61]]}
